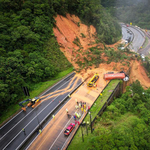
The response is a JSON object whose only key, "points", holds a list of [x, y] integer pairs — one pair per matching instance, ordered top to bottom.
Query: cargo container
{"points": [[111, 75]]}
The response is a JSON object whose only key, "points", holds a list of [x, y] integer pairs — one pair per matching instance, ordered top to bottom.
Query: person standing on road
{"points": [[85, 105], [82, 109], [67, 110], [74, 117], [24, 131]]}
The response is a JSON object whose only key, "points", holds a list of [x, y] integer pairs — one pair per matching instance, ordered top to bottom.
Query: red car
{"points": [[69, 129]]}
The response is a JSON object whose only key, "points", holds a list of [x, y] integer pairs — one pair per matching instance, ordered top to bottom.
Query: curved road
{"points": [[137, 35]]}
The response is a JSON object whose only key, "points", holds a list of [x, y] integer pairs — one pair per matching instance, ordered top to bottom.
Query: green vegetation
{"points": [[135, 11], [83, 36], [77, 41], [146, 42], [29, 52], [94, 56], [38, 88], [101, 100], [124, 125]]}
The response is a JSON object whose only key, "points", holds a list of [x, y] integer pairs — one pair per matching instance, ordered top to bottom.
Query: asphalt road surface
{"points": [[135, 33], [146, 49], [12, 133], [52, 137]]}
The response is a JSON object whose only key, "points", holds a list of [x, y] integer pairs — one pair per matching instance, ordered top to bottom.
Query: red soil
{"points": [[68, 28]]}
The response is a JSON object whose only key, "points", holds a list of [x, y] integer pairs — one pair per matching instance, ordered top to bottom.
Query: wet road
{"points": [[137, 36], [12, 135], [52, 137]]}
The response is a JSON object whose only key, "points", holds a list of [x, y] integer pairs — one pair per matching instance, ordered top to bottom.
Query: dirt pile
{"points": [[73, 36]]}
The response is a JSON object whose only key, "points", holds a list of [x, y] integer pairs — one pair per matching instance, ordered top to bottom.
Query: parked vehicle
{"points": [[69, 129]]}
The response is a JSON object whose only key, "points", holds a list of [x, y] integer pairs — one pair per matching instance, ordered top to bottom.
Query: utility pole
{"points": [[90, 121], [82, 133]]}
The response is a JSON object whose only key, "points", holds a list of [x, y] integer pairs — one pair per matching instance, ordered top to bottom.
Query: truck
{"points": [[121, 75], [93, 80]]}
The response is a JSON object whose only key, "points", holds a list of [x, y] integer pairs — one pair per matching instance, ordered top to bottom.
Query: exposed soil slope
{"points": [[70, 27]]}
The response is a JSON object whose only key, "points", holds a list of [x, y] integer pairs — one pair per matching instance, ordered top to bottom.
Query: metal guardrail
{"points": [[48, 115], [82, 120]]}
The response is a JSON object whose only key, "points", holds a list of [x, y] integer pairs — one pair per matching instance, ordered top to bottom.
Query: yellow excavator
{"points": [[93, 80], [31, 102]]}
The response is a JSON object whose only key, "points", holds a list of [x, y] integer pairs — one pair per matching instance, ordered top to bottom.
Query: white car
{"points": [[143, 57]]}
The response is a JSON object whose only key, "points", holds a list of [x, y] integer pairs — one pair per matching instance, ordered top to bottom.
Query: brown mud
{"points": [[68, 28]]}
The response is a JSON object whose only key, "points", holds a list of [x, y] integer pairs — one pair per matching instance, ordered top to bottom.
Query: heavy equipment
{"points": [[93, 80], [31, 102]]}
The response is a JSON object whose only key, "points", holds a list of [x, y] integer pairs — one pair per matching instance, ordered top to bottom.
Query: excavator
{"points": [[93, 80], [31, 102]]}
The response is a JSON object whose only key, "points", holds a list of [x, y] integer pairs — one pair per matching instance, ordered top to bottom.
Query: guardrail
{"points": [[116, 92], [20, 110], [48, 115], [64, 148]]}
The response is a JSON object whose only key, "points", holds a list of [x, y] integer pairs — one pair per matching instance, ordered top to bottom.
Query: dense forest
{"points": [[135, 11], [29, 52], [125, 123]]}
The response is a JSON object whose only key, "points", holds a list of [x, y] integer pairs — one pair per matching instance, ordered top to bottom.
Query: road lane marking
{"points": [[41, 95], [26, 115], [41, 121], [30, 122], [47, 122], [59, 133], [74, 133]]}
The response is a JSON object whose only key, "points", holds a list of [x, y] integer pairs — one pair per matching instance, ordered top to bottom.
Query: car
{"points": [[127, 25], [69, 129]]}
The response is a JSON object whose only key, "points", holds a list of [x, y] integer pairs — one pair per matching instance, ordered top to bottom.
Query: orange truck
{"points": [[120, 75]]}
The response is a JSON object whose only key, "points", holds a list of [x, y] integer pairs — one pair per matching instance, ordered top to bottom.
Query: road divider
{"points": [[50, 114]]}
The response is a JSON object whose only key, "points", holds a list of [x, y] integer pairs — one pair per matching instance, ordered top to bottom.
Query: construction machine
{"points": [[93, 80], [31, 102]]}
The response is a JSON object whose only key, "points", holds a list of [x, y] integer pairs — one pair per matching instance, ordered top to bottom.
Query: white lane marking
{"points": [[40, 96], [26, 116], [10, 120], [31, 121], [28, 124], [46, 124], [42, 129], [60, 133], [67, 138]]}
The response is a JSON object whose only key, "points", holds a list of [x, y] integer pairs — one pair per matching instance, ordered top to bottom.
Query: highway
{"points": [[137, 36], [146, 49], [11, 133], [52, 137]]}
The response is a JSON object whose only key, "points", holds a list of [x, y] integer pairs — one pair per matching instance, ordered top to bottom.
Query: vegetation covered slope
{"points": [[135, 11], [29, 52]]}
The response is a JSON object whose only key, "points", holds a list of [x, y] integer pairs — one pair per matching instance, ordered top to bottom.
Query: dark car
{"points": [[69, 129]]}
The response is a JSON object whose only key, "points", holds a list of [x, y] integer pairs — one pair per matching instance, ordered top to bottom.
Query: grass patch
{"points": [[146, 42], [37, 90], [98, 104], [76, 142]]}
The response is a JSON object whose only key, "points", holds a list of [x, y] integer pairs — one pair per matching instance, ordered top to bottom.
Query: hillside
{"points": [[67, 30], [29, 52]]}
